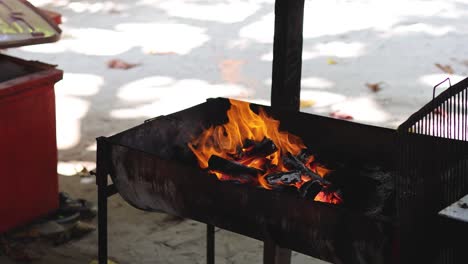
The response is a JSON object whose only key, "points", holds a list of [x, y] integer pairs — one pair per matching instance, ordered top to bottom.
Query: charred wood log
{"points": [[263, 148], [304, 155], [292, 162], [231, 168], [286, 178], [238, 179], [310, 189]]}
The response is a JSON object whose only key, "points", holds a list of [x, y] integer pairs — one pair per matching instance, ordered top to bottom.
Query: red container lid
{"points": [[23, 24], [24, 75]]}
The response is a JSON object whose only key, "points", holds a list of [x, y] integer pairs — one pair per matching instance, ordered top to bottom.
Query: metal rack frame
{"points": [[285, 95]]}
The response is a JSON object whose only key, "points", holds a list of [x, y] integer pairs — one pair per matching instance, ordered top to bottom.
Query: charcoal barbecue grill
{"points": [[427, 155]]}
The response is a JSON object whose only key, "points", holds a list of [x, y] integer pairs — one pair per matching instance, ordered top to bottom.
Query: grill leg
{"points": [[101, 180], [102, 224], [210, 244], [273, 254]]}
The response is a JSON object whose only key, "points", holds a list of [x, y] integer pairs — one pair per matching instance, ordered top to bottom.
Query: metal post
{"points": [[287, 55], [286, 84], [101, 181], [210, 244], [273, 254]]}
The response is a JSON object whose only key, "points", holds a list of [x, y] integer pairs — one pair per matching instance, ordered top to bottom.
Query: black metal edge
{"points": [[29, 63], [40, 69], [44, 74], [430, 106], [269, 108], [145, 122], [347, 122], [114, 138], [441, 140], [103, 165], [102, 169], [111, 190], [210, 244]]}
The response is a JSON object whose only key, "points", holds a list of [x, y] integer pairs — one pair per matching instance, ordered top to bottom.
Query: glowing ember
{"points": [[251, 149], [332, 197]]}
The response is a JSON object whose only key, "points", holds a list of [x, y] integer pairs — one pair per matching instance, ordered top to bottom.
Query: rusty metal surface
{"points": [[153, 171], [316, 229]]}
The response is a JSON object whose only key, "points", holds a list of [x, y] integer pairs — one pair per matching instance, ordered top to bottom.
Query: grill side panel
{"points": [[432, 174], [321, 230]]}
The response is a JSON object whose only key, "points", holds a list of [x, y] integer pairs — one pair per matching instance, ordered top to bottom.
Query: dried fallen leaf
{"points": [[114, 11], [157, 52], [331, 61], [120, 64], [445, 68], [231, 70], [375, 87], [307, 103], [341, 115], [83, 173], [173, 218], [82, 228], [30, 233]]}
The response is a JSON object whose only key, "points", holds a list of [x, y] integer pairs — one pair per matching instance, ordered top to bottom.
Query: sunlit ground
{"points": [[188, 51]]}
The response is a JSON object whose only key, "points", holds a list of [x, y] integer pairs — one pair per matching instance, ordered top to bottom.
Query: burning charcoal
{"points": [[263, 148], [304, 156], [308, 159], [292, 162], [230, 167], [289, 177], [238, 179], [310, 189], [329, 195]]}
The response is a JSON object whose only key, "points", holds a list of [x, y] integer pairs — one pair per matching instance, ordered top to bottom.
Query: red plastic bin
{"points": [[28, 148]]}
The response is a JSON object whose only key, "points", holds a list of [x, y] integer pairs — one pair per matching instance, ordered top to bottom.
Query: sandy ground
{"points": [[188, 51]]}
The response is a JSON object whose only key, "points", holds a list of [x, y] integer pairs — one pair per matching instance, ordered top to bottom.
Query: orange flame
{"points": [[244, 124], [325, 197]]}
